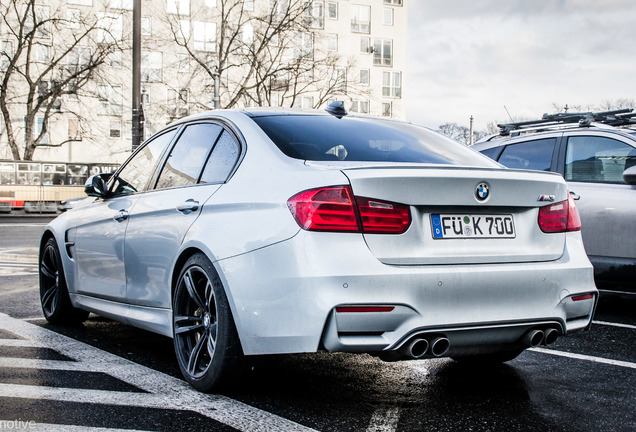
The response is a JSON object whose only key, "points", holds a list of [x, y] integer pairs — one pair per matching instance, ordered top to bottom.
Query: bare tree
{"points": [[46, 54], [267, 54]]}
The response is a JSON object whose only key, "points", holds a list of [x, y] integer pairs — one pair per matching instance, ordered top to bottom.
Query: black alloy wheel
{"points": [[56, 303], [205, 337]]}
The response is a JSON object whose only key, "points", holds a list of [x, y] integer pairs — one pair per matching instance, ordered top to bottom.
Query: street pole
{"points": [[137, 114], [471, 131]]}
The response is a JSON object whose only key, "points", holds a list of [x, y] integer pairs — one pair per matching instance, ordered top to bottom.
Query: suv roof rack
{"points": [[619, 117]]}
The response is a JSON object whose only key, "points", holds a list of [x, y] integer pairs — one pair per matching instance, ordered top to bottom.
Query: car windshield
{"points": [[327, 138]]}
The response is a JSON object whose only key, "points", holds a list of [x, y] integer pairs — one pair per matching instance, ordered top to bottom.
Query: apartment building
{"points": [[350, 50]]}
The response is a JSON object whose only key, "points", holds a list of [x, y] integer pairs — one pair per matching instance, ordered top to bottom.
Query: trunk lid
{"points": [[502, 227]]}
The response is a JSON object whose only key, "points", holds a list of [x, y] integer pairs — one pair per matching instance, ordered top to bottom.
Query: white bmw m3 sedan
{"points": [[242, 233]]}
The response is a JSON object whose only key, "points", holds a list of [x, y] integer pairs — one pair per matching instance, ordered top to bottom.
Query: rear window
{"points": [[326, 138]]}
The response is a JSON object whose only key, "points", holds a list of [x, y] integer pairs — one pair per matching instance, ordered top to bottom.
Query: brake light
{"points": [[332, 209], [560, 217]]}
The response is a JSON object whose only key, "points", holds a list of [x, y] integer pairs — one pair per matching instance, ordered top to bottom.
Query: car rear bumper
{"points": [[284, 297]]}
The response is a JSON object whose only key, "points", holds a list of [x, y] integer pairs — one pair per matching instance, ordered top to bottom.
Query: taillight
{"points": [[332, 209], [560, 217]]}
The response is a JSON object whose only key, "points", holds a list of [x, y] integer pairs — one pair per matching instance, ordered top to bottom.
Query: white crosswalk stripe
{"points": [[163, 391]]}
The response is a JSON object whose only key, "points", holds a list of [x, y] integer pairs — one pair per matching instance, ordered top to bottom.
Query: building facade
{"points": [[281, 53]]}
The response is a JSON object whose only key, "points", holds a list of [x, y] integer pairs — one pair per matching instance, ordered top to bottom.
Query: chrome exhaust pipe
{"points": [[550, 336], [532, 338], [439, 346], [417, 348]]}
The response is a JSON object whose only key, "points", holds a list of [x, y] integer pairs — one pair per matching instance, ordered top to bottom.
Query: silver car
{"points": [[598, 162], [241, 233]]}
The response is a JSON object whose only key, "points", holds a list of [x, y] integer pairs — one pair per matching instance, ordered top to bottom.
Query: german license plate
{"points": [[457, 226]]}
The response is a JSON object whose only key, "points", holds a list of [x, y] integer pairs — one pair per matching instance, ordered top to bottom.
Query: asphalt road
{"points": [[108, 376]]}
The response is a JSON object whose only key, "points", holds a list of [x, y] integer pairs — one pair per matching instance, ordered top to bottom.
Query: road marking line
{"points": [[31, 273], [632, 327], [20, 343], [585, 357], [165, 392], [384, 420], [48, 427]]}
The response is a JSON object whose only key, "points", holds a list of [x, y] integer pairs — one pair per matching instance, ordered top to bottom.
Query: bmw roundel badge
{"points": [[482, 192]]}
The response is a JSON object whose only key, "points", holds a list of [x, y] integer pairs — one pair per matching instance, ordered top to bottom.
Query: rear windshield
{"points": [[326, 138]]}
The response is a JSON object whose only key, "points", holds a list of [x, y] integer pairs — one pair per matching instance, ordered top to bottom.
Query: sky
{"points": [[481, 57]]}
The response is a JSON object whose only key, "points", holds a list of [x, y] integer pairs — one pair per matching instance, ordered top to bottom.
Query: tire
{"points": [[54, 298], [206, 342], [491, 358]]}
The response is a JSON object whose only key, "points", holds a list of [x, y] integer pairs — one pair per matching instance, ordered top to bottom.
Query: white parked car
{"points": [[240, 233]]}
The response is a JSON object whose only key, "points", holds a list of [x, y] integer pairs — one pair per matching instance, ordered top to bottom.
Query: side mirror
{"points": [[630, 175], [96, 186]]}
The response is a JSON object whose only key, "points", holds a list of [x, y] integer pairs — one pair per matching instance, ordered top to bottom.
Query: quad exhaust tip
{"points": [[419, 347]]}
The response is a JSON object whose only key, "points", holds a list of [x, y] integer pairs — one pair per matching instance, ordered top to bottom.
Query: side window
{"points": [[491, 152], [188, 155], [532, 155], [597, 159], [222, 160], [135, 175]]}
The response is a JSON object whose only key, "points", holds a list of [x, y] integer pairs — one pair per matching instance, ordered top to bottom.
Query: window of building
{"points": [[81, 2], [393, 2], [210, 3], [121, 4], [248, 5], [178, 7], [279, 9], [332, 10], [314, 14], [387, 16], [73, 18], [360, 19], [41, 22], [146, 26], [109, 28], [184, 30], [204, 36], [332, 42], [304, 45], [365, 45], [383, 52], [42, 53], [6, 54], [79, 58], [115, 59], [183, 64], [151, 66], [365, 77], [340, 80], [392, 84], [145, 96], [110, 99], [304, 102], [178, 103], [360, 106], [387, 109], [42, 126], [115, 128], [73, 129], [534, 155]]}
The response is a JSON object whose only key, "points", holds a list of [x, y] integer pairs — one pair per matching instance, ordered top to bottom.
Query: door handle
{"points": [[575, 197], [188, 206], [121, 216]]}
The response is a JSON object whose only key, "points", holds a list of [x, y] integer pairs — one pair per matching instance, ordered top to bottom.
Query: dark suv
{"points": [[596, 154]]}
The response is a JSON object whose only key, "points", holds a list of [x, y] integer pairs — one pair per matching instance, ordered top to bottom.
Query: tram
{"points": [[41, 186]]}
